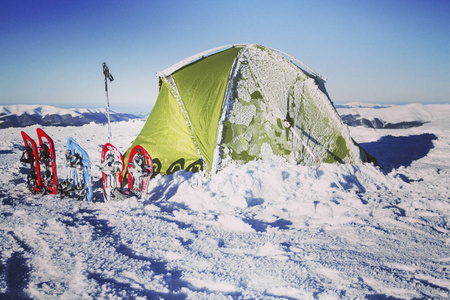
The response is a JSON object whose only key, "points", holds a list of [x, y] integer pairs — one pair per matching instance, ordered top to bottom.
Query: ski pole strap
{"points": [[106, 72]]}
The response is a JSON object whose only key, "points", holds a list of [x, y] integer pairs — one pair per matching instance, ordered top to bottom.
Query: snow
{"points": [[170, 70], [264, 89], [44, 110], [404, 113], [26, 115], [264, 230]]}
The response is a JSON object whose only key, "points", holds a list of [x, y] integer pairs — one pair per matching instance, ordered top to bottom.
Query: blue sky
{"points": [[380, 51]]}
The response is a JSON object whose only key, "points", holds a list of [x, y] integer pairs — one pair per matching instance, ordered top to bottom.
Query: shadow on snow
{"points": [[393, 152], [16, 272], [172, 278]]}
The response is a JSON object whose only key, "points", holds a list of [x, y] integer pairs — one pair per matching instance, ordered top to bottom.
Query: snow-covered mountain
{"points": [[353, 114], [46, 115], [387, 116], [264, 230]]}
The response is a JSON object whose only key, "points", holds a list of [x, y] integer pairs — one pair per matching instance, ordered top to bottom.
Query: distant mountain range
{"points": [[353, 114], [46, 115], [385, 116]]}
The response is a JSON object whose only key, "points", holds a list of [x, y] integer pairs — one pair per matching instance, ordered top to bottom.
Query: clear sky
{"points": [[379, 51]]}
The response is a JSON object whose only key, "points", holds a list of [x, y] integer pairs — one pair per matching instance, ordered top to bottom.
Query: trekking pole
{"points": [[111, 78]]}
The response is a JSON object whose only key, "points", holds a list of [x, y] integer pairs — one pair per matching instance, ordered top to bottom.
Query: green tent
{"points": [[241, 103]]}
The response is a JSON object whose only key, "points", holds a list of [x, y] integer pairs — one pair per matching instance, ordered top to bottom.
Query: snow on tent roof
{"points": [[203, 54], [230, 104]]}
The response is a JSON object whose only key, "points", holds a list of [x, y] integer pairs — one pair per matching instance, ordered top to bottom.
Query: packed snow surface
{"points": [[264, 230]]}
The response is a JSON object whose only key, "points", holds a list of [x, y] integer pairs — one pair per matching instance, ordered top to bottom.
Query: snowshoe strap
{"points": [[44, 154], [27, 155], [73, 160]]}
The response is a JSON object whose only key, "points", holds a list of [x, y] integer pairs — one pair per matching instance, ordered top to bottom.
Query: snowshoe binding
{"points": [[30, 156], [48, 161], [112, 166], [139, 171], [78, 182]]}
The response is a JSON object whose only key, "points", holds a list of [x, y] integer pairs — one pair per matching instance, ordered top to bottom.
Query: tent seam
{"points": [[172, 69], [169, 80], [225, 106], [277, 111]]}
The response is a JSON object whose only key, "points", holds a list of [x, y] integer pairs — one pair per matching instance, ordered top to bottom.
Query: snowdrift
{"points": [[264, 230]]}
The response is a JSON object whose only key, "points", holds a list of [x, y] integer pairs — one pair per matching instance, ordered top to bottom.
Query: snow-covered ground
{"points": [[258, 231]]}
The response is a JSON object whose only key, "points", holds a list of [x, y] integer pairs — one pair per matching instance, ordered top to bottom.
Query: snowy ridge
{"points": [[362, 105], [44, 110], [21, 115], [391, 116], [264, 230]]}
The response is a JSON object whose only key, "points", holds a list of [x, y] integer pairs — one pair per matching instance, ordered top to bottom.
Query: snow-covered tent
{"points": [[240, 103]]}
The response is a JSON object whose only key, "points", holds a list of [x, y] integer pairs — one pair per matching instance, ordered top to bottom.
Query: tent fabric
{"points": [[202, 88], [232, 106], [165, 132]]}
